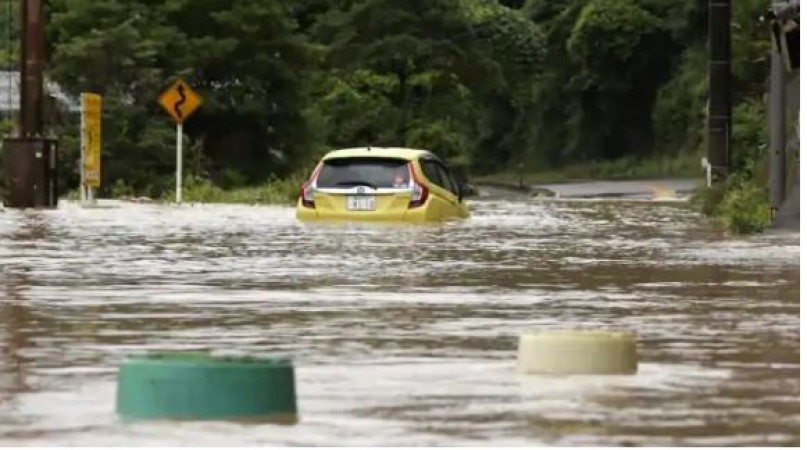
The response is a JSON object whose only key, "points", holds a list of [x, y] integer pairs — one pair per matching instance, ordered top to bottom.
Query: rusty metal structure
{"points": [[30, 158]]}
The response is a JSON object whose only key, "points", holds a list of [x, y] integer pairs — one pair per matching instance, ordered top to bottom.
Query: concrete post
{"points": [[777, 128]]}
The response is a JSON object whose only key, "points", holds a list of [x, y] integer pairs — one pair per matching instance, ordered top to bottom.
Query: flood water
{"points": [[404, 335]]}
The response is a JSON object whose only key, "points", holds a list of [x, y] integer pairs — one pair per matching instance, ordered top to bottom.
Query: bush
{"points": [[275, 191], [707, 199], [740, 204], [744, 208]]}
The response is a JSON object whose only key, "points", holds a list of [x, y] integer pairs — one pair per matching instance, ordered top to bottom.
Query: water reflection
{"points": [[17, 320], [15, 325], [404, 335]]}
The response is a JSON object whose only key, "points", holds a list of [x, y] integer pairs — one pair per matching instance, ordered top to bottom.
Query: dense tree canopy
{"points": [[488, 84]]}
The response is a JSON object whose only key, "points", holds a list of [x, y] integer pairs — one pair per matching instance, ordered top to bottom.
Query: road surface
{"points": [[651, 189]]}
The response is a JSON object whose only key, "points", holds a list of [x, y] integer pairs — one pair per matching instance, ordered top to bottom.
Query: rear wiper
{"points": [[357, 183]]}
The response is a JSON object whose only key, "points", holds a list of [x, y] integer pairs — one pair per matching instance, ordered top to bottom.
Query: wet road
{"points": [[668, 189], [404, 335]]}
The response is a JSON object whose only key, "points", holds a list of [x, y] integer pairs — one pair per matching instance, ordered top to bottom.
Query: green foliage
{"points": [[9, 30], [608, 34], [515, 41], [750, 47], [244, 58], [605, 63], [404, 73], [615, 86], [680, 111], [679, 114], [7, 126], [749, 137], [672, 166], [120, 189], [274, 191], [706, 199], [741, 202], [740, 205], [744, 207]]}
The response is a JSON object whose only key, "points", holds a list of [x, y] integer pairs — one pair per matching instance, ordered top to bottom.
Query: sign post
{"points": [[179, 101], [90, 145], [179, 164]]}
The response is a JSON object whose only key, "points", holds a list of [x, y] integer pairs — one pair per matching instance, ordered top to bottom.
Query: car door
{"points": [[443, 187], [453, 187]]}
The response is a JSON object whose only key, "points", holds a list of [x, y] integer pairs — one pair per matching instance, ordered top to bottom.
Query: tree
{"points": [[621, 48], [245, 58], [404, 73]]}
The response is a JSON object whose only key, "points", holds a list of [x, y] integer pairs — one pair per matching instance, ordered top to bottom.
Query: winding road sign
{"points": [[180, 101]]}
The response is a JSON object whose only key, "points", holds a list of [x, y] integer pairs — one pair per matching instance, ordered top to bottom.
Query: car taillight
{"points": [[308, 189], [419, 190], [307, 195]]}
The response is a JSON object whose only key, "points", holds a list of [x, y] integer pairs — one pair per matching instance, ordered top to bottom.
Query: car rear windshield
{"points": [[371, 172]]}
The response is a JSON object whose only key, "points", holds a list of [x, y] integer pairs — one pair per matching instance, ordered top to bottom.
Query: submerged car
{"points": [[384, 184]]}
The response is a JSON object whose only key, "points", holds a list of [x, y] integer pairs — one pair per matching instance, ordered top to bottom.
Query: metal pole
{"points": [[719, 114], [777, 127], [179, 163], [31, 174], [82, 183]]}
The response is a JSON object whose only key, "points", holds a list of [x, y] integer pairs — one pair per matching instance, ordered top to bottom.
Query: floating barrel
{"points": [[571, 352], [199, 386]]}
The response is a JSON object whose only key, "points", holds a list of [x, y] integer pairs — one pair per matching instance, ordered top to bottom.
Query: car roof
{"points": [[409, 154]]}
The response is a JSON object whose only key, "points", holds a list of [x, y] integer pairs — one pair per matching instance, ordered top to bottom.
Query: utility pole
{"points": [[31, 70], [719, 110], [776, 123], [30, 158]]}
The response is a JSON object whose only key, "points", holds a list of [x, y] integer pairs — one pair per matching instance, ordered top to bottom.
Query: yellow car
{"points": [[382, 184]]}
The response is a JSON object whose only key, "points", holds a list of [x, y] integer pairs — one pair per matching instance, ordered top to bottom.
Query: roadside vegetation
{"points": [[544, 89], [626, 168], [741, 203]]}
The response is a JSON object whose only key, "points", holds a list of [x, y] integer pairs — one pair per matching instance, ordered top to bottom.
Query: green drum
{"points": [[194, 386]]}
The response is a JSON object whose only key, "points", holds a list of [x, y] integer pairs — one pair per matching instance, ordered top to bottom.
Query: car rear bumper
{"points": [[308, 214], [420, 214]]}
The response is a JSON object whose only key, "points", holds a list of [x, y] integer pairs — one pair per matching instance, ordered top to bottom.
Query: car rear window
{"points": [[372, 172]]}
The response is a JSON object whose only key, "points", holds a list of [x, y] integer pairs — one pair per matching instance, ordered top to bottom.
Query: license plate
{"points": [[360, 203]]}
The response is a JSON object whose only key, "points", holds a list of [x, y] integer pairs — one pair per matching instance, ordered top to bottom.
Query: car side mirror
{"points": [[459, 173], [467, 190]]}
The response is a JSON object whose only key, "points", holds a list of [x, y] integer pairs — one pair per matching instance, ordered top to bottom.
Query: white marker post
{"points": [[179, 163], [706, 165]]}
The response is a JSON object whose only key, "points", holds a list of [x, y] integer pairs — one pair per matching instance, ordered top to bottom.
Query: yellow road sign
{"points": [[180, 101], [91, 139]]}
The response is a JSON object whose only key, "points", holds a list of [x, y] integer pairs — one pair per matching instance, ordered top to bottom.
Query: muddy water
{"points": [[403, 335]]}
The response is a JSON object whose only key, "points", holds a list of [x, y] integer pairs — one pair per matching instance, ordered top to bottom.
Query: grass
{"points": [[683, 165], [198, 190], [275, 191], [740, 204], [740, 207], [744, 209]]}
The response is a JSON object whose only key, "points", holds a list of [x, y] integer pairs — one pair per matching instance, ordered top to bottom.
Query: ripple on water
{"points": [[403, 335]]}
